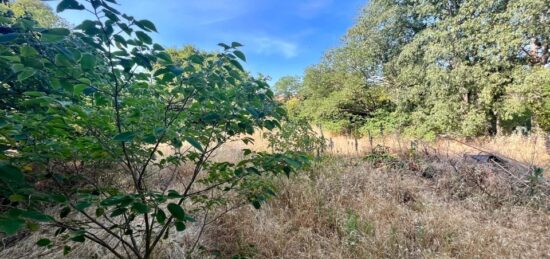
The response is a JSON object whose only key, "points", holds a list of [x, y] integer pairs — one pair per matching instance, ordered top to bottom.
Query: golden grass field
{"points": [[427, 203], [345, 207]]}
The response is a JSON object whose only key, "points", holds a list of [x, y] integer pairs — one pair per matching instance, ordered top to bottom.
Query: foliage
{"points": [[39, 11], [463, 67], [288, 86], [339, 98], [87, 114], [295, 135]]}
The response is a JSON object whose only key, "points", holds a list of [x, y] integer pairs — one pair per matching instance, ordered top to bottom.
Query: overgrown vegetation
{"points": [[463, 67], [86, 114], [296, 135], [137, 151], [349, 208]]}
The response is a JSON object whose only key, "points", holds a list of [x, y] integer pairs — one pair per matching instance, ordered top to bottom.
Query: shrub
{"points": [[82, 106], [297, 135]]}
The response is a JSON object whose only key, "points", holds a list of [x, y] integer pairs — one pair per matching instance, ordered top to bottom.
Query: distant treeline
{"points": [[463, 67]]}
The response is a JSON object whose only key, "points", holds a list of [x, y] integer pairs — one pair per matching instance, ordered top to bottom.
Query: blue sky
{"points": [[281, 37]]}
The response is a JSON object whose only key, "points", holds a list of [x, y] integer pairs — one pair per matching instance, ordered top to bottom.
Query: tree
{"points": [[41, 12], [450, 66], [288, 86], [338, 94], [97, 120]]}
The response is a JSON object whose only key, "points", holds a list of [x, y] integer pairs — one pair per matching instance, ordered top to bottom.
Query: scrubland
{"points": [[394, 199]]}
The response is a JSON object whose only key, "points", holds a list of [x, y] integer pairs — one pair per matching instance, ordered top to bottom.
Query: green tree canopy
{"points": [[40, 11], [466, 67], [288, 86]]}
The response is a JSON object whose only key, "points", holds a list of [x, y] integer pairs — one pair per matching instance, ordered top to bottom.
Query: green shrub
{"points": [[85, 106], [296, 135]]}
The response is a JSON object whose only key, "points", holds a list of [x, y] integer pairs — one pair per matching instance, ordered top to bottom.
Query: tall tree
{"points": [[41, 12], [452, 66], [288, 86]]}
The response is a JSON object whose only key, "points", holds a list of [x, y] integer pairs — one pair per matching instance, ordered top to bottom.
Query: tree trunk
{"points": [[545, 54], [493, 123]]}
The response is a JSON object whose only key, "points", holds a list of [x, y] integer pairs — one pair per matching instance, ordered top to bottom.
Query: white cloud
{"points": [[310, 8], [191, 12], [270, 46]]}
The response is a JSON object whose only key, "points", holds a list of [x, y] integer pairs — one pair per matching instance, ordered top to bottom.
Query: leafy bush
{"points": [[101, 102], [296, 135]]}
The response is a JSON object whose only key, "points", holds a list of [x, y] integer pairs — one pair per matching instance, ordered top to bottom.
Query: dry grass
{"points": [[526, 149], [415, 206], [348, 208]]}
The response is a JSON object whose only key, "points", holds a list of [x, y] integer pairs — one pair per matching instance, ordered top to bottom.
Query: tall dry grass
{"points": [[430, 203], [348, 208]]}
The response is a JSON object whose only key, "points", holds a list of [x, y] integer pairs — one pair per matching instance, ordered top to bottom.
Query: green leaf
{"points": [[69, 4], [112, 16], [146, 25], [88, 27], [57, 31], [53, 35], [142, 36], [8, 37], [120, 40], [236, 44], [223, 45], [157, 47], [28, 51], [240, 55], [164, 56], [14, 59], [197, 59], [62, 61], [33, 62], [87, 62], [237, 64], [175, 70], [25, 73], [79, 88], [34, 93], [211, 116], [269, 124], [124, 137], [150, 139], [194, 143], [10, 174], [172, 194], [16, 197], [58, 198], [256, 204], [82, 205], [140, 208], [176, 211], [64, 212], [99, 212], [118, 212], [38, 216], [161, 216], [11, 226], [179, 226], [33, 227], [60, 231], [79, 237], [43, 242], [66, 250]]}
